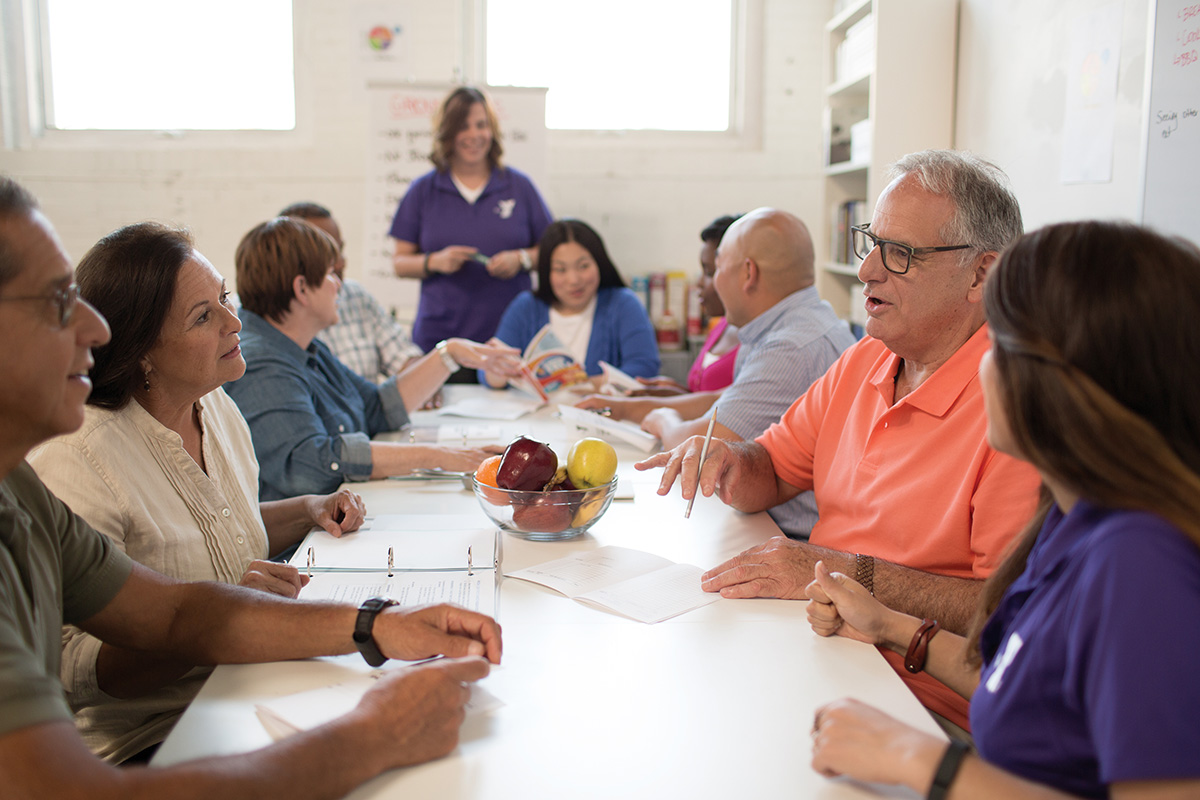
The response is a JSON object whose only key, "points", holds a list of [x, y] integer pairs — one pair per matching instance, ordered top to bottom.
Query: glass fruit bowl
{"points": [[545, 516]]}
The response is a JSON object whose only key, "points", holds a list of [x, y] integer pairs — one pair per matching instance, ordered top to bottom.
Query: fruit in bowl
{"points": [[526, 492], [548, 515]]}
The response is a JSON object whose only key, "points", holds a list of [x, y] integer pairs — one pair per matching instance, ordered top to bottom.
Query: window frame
{"points": [[26, 94], [745, 94]]}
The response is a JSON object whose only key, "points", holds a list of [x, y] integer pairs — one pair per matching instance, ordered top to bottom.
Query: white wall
{"points": [[1012, 85], [648, 202]]}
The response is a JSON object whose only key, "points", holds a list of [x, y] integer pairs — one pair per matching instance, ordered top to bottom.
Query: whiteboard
{"points": [[400, 138], [1171, 177]]}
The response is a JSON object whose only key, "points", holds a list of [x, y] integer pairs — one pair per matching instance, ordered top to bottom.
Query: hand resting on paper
{"points": [[416, 713]]}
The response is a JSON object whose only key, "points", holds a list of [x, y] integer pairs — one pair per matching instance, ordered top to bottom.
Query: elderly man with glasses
{"points": [[913, 503]]}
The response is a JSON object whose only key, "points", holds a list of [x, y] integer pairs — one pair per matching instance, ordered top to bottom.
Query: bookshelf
{"points": [[889, 77]]}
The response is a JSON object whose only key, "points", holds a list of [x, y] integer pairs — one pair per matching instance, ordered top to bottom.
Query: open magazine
{"points": [[549, 365]]}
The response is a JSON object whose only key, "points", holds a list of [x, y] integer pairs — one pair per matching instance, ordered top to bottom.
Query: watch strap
{"points": [[364, 626], [948, 769]]}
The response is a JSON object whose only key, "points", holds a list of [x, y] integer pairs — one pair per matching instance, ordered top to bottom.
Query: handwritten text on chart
{"points": [[1187, 12], [1168, 121]]}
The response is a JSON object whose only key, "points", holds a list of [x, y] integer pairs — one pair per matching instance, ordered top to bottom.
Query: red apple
{"points": [[526, 465], [543, 515]]}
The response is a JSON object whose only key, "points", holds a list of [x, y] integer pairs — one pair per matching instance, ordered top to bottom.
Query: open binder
{"points": [[413, 559]]}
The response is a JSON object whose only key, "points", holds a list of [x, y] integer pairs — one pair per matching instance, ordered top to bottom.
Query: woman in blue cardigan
{"points": [[586, 303]]}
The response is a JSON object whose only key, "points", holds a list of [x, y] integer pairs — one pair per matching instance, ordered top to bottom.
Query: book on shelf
{"points": [[846, 215]]}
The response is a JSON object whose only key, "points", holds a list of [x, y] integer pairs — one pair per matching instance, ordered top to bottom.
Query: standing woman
{"points": [[468, 229], [1081, 667]]}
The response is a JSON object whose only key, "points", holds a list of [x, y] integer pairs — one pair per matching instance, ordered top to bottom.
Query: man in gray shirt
{"points": [[789, 337], [54, 568]]}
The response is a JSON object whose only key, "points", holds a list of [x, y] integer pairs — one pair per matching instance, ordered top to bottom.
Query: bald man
{"points": [[789, 337]]}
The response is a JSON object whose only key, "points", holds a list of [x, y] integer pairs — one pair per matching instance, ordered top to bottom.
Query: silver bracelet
{"points": [[443, 351]]}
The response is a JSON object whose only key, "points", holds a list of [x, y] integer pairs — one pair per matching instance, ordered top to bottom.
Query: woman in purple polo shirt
{"points": [[468, 229], [1082, 668]]}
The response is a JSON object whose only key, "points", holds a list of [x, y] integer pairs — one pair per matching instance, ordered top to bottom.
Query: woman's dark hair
{"points": [[452, 118], [573, 230], [714, 230], [272, 255], [129, 276], [1095, 342]]}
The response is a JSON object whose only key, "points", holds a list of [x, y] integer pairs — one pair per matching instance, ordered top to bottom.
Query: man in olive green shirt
{"points": [[55, 569]]}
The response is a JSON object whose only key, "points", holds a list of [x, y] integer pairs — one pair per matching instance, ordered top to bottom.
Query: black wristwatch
{"points": [[364, 640]]}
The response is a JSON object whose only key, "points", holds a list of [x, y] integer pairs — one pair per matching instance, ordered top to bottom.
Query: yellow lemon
{"points": [[591, 462]]}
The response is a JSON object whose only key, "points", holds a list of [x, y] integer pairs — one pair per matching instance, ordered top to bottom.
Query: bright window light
{"points": [[617, 64], [166, 65]]}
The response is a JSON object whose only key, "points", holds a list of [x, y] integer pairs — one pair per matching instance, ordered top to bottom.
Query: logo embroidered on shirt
{"points": [[505, 208], [1011, 648]]}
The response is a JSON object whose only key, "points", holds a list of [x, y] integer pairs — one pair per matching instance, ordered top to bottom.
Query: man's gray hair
{"points": [[15, 201], [986, 212]]}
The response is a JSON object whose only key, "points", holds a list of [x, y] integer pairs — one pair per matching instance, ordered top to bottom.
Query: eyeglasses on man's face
{"points": [[896, 256], [65, 301]]}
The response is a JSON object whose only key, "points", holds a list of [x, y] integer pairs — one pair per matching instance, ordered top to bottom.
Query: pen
{"points": [[703, 455]]}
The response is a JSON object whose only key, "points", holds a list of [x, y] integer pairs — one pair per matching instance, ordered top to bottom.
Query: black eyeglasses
{"points": [[896, 256], [65, 299]]}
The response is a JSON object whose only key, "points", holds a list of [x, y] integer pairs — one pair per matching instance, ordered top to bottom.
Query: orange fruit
{"points": [[486, 472]]}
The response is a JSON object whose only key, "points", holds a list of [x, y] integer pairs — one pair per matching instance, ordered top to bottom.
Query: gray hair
{"points": [[15, 201], [986, 212]]}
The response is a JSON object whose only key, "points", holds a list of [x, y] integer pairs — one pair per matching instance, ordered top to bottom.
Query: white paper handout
{"points": [[618, 379], [499, 405], [588, 423], [416, 542], [638, 585], [475, 591], [284, 716]]}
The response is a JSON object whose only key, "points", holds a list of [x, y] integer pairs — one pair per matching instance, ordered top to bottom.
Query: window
{"points": [[619, 64], [166, 65]]}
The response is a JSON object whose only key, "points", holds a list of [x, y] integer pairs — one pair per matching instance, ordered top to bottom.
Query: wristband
{"points": [[526, 261], [425, 266], [443, 351], [864, 572], [364, 638], [914, 659], [947, 769]]}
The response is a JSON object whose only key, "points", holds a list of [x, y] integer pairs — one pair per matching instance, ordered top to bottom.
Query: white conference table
{"points": [[715, 703]]}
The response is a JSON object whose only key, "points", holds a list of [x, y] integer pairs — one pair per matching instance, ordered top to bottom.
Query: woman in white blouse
{"points": [[163, 465]]}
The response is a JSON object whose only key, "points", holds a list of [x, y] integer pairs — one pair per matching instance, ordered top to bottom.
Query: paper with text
{"points": [[498, 405], [420, 542], [638, 585], [475, 592], [284, 716]]}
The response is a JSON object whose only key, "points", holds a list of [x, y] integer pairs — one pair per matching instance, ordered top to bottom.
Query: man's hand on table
{"points": [[626, 409], [779, 567], [414, 633], [415, 714]]}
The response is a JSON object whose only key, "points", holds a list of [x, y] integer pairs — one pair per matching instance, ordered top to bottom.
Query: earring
{"points": [[146, 382]]}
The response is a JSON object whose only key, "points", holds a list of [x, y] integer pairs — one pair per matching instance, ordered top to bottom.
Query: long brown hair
{"points": [[452, 118], [1095, 345]]}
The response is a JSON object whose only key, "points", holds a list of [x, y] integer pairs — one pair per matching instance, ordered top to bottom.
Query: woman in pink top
{"points": [[713, 367]]}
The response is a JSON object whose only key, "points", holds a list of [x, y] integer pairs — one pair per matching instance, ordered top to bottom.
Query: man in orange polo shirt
{"points": [[913, 503]]}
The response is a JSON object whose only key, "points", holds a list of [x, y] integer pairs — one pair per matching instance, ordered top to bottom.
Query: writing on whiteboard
{"points": [[1187, 12], [1168, 121]]}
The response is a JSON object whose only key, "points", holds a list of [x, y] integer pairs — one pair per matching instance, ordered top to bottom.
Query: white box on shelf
{"points": [[860, 142]]}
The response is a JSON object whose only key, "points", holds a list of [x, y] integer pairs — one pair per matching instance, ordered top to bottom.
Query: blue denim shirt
{"points": [[311, 418]]}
